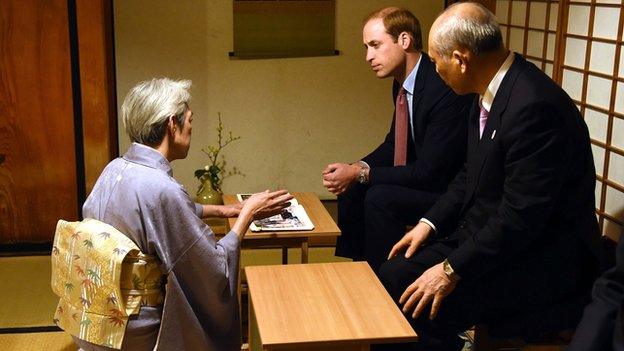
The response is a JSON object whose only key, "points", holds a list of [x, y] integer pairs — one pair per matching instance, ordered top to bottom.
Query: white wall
{"points": [[294, 115]]}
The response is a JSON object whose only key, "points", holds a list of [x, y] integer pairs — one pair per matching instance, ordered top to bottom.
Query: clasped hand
{"points": [[338, 177], [432, 286]]}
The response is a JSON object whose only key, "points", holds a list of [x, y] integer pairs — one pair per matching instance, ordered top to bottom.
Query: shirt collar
{"points": [[408, 84], [488, 98], [147, 156]]}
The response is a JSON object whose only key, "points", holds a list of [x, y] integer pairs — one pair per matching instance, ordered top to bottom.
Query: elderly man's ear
{"points": [[461, 58]]}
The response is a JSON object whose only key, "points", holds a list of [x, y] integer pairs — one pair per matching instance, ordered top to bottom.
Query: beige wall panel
{"points": [[502, 8], [518, 13], [538, 15], [552, 19], [578, 19], [606, 22], [504, 34], [516, 40], [535, 43], [550, 48], [575, 52], [602, 57], [621, 67], [549, 69], [572, 83], [596, 91], [619, 97], [294, 115], [597, 124], [617, 138], [599, 154], [616, 168], [598, 192], [614, 204], [612, 230]]}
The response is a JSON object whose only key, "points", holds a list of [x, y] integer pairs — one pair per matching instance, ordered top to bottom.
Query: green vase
{"points": [[206, 195]]}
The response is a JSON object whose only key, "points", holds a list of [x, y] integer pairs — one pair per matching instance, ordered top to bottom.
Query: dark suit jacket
{"points": [[440, 120], [526, 183], [602, 327]]}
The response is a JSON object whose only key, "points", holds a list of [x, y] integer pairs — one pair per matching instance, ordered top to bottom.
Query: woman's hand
{"points": [[267, 204], [261, 205], [222, 211]]}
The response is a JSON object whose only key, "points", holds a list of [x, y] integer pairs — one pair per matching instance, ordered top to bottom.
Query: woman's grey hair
{"points": [[478, 33], [148, 106]]}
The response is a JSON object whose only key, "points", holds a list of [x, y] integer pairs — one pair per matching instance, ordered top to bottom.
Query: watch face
{"points": [[447, 268]]}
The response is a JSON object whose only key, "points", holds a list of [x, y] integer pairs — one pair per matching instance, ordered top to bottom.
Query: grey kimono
{"points": [[137, 195]]}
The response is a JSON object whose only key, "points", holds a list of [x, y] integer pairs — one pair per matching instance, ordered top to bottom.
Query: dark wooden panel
{"points": [[99, 116], [38, 174]]}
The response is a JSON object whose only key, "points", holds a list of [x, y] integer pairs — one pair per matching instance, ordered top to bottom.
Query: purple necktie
{"points": [[483, 116], [400, 129]]}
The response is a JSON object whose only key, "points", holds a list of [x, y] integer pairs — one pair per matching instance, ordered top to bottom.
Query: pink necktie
{"points": [[483, 116], [400, 129]]}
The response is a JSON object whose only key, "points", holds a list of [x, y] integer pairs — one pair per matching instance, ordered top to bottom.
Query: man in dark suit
{"points": [[397, 182], [516, 230], [602, 325]]}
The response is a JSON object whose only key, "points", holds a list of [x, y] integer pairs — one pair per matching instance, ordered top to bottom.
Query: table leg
{"points": [[304, 251], [284, 254], [239, 293], [253, 339]]}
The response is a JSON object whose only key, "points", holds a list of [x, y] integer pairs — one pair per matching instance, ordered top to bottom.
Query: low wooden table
{"points": [[324, 225], [326, 306]]}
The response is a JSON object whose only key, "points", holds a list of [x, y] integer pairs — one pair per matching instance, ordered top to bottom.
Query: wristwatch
{"points": [[362, 176], [448, 270]]}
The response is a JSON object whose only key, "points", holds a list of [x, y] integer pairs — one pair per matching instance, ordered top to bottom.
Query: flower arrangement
{"points": [[216, 171]]}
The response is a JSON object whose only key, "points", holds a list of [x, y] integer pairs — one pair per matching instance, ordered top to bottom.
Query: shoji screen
{"points": [[529, 28], [578, 44], [593, 74]]}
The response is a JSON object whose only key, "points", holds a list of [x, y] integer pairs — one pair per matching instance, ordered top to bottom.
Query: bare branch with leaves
{"points": [[216, 171]]}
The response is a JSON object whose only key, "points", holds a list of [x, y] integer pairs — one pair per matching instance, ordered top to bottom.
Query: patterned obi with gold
{"points": [[102, 278]]}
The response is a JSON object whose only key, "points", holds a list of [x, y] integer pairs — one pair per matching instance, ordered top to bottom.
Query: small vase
{"points": [[206, 195]]}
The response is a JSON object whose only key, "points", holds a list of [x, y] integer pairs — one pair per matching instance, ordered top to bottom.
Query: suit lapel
{"points": [[417, 92], [473, 143], [479, 149]]}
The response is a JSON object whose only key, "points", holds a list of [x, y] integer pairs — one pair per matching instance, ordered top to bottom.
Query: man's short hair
{"points": [[397, 20], [479, 34], [147, 107]]}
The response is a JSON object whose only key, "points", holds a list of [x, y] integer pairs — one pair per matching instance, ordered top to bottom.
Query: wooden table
{"points": [[324, 225], [326, 306]]}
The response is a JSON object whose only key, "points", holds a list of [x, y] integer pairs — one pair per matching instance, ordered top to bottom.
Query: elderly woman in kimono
{"points": [[138, 195]]}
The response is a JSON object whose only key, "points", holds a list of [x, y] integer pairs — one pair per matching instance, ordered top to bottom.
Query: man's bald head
{"points": [[466, 25]]}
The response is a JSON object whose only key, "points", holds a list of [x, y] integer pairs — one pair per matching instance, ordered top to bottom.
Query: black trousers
{"points": [[372, 219], [532, 282]]}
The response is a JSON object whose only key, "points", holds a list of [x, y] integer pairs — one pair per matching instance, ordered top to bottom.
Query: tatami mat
{"points": [[27, 299], [57, 341]]}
